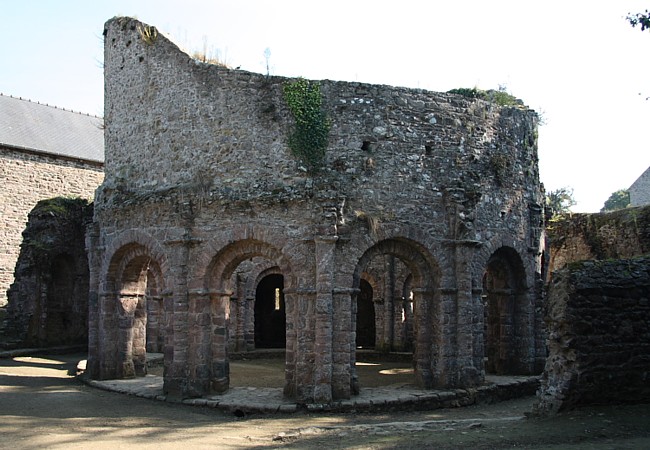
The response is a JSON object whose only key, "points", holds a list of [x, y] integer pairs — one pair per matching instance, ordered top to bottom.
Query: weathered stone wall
{"points": [[27, 178], [200, 179], [615, 235], [48, 301], [599, 335]]}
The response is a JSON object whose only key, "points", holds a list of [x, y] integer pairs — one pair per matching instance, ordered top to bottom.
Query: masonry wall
{"points": [[26, 178], [200, 179], [619, 234], [48, 301], [598, 322]]}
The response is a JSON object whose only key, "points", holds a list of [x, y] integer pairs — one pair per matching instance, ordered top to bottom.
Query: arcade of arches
{"points": [[417, 230], [252, 298]]}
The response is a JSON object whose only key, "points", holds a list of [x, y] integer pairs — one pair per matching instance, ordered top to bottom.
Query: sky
{"points": [[576, 62]]}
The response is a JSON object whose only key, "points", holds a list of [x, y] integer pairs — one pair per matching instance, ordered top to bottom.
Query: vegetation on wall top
{"points": [[501, 97], [311, 133], [60, 206]]}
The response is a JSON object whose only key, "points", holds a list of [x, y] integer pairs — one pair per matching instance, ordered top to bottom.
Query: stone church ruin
{"points": [[416, 227]]}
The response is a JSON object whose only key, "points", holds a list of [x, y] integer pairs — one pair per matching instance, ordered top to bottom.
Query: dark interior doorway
{"points": [[365, 316], [270, 318], [59, 328]]}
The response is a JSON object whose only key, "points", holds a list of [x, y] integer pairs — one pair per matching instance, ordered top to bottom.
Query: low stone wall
{"points": [[598, 321]]}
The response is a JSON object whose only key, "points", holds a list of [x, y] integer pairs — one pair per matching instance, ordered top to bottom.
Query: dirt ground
{"points": [[269, 372], [44, 406]]}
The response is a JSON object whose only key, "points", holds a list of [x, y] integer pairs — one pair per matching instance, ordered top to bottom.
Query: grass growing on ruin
{"points": [[501, 97], [60, 206]]}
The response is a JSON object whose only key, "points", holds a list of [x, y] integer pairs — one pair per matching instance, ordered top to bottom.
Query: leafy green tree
{"points": [[640, 19], [618, 200], [560, 201]]}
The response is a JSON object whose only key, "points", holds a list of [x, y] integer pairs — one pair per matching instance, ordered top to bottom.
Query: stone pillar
{"points": [[94, 251], [324, 251], [127, 305], [249, 322], [155, 324], [301, 325], [423, 325], [168, 332], [107, 336], [444, 339], [199, 341], [139, 344], [290, 344], [343, 345], [176, 361], [219, 364], [469, 373]]}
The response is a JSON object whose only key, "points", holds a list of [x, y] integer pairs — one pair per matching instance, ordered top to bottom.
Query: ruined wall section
{"points": [[394, 153], [199, 176], [615, 235], [48, 301], [598, 319]]}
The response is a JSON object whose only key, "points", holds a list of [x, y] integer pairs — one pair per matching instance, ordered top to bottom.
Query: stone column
{"points": [[324, 251], [94, 260], [177, 310], [199, 318], [125, 320], [249, 322], [155, 324], [423, 328], [107, 336], [139, 344], [290, 344], [343, 344], [444, 345], [300, 360], [219, 363], [469, 373]]}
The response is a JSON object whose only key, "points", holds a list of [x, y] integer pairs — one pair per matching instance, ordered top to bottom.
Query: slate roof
{"points": [[42, 128]]}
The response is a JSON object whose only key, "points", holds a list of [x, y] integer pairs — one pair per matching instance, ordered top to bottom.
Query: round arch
{"points": [[131, 273], [424, 281], [216, 284], [507, 312]]}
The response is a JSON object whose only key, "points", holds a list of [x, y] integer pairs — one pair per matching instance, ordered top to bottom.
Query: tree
{"points": [[640, 19], [618, 200], [560, 201]]}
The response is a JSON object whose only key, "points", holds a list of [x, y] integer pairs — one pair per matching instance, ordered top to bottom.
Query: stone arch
{"points": [[121, 245], [225, 262], [133, 271], [425, 279], [217, 280], [242, 305], [508, 334]]}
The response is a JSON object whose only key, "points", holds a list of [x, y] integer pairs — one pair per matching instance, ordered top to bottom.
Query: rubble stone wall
{"points": [[619, 234], [48, 301], [599, 335]]}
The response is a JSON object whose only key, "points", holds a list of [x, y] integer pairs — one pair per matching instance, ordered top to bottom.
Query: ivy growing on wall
{"points": [[308, 141]]}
